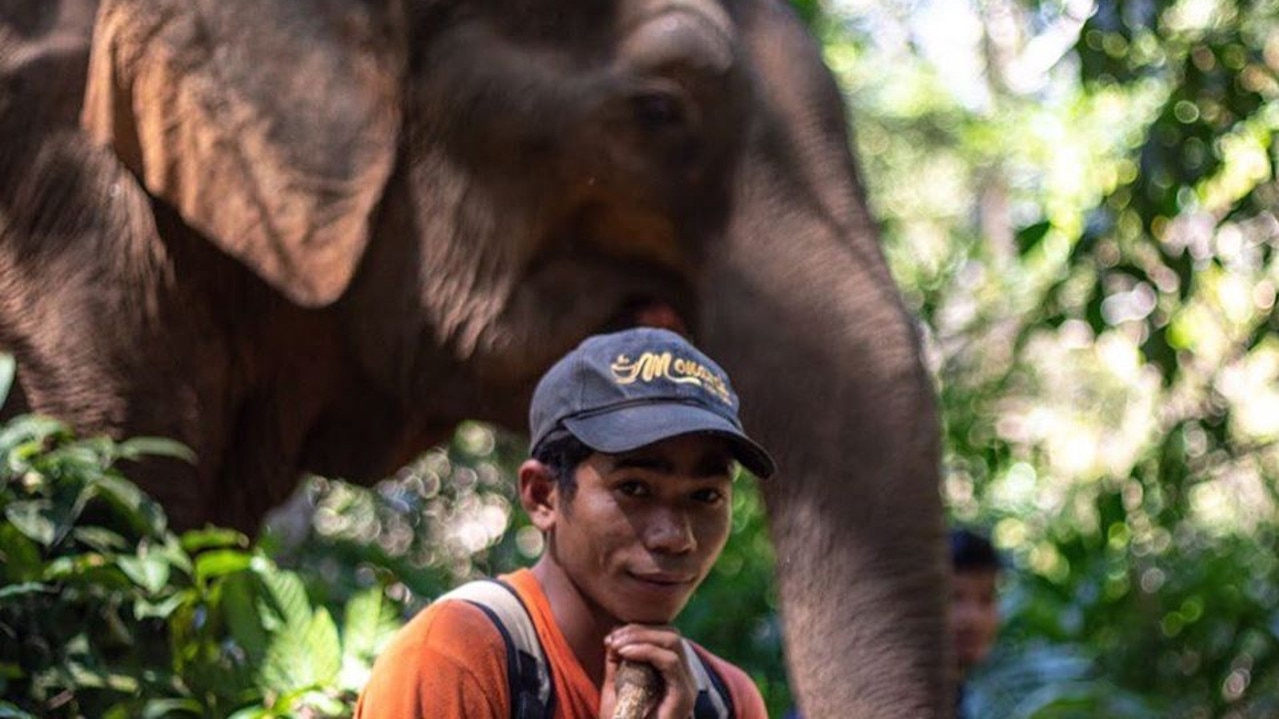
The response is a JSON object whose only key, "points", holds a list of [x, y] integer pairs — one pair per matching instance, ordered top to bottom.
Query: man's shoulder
{"points": [[453, 628], [448, 661]]}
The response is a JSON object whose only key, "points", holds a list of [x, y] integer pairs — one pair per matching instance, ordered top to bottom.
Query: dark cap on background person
{"points": [[621, 391]]}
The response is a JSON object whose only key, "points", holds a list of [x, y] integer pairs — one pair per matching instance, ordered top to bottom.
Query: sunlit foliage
{"points": [[1079, 199]]}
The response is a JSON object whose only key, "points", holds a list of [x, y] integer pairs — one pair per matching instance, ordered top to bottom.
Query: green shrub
{"points": [[105, 612]]}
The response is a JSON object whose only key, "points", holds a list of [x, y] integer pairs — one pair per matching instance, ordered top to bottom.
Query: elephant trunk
{"points": [[799, 301], [854, 511]]}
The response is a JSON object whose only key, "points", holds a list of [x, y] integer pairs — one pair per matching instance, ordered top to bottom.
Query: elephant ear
{"points": [[270, 125]]}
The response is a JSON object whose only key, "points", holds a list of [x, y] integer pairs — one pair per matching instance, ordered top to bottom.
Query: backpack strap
{"points": [[531, 691], [713, 698]]}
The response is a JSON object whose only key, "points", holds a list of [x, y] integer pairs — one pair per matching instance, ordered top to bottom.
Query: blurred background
{"points": [[1077, 199]]}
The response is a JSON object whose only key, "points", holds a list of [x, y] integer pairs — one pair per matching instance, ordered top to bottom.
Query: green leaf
{"points": [[1028, 238], [8, 369], [27, 435], [139, 447], [142, 513], [33, 520], [100, 539], [197, 540], [172, 551], [21, 555], [219, 563], [90, 566], [146, 570], [24, 589], [286, 592], [239, 607], [163, 609], [365, 624], [324, 648], [303, 655], [85, 676], [161, 708], [10, 711]]}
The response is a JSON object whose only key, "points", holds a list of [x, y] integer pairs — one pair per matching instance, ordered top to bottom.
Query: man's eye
{"points": [[633, 489], [708, 496]]}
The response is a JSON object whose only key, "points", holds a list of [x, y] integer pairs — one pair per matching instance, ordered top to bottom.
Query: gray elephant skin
{"points": [[313, 235]]}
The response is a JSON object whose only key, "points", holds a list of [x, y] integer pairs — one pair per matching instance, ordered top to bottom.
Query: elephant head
{"points": [[347, 224]]}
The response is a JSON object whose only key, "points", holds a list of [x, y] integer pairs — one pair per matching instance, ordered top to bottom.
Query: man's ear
{"points": [[539, 493]]}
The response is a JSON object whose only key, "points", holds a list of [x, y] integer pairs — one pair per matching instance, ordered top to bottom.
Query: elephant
{"points": [[313, 235]]}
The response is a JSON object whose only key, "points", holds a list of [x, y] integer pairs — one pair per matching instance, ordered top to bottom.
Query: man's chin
{"points": [[649, 613]]}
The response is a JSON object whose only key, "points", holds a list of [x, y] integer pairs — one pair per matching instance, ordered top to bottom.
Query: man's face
{"points": [[644, 527], [974, 615]]}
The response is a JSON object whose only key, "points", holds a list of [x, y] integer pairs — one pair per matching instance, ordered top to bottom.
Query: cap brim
{"points": [[634, 426]]}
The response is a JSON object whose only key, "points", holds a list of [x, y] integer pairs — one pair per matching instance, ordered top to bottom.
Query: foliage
{"points": [[1079, 200], [447, 517], [107, 613]]}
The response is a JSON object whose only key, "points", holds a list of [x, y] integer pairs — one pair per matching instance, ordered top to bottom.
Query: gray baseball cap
{"points": [[619, 392]]}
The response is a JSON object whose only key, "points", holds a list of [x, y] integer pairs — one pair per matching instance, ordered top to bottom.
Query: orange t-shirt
{"points": [[449, 662]]}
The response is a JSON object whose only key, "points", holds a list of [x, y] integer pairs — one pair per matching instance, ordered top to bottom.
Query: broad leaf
{"points": [[8, 369], [26, 436], [139, 447], [142, 513], [33, 519], [100, 539], [197, 540], [21, 555], [219, 563], [147, 570], [14, 591], [286, 593], [239, 606], [163, 609], [365, 624], [303, 655], [163, 708], [10, 711]]}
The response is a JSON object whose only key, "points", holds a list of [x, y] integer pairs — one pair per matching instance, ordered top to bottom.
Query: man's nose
{"points": [[669, 531]]}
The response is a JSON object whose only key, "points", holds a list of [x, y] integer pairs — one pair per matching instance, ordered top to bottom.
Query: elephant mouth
{"points": [[587, 291], [647, 311]]}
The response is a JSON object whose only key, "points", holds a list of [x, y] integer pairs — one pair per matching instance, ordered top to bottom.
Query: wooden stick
{"points": [[639, 689]]}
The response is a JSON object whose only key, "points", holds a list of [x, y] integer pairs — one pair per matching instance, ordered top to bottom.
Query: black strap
{"points": [[522, 668], [704, 708]]}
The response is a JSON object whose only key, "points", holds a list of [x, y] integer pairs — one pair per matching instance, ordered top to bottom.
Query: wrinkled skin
{"points": [[313, 235]]}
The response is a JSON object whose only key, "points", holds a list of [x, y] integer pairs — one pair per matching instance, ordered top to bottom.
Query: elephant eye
{"points": [[654, 110]]}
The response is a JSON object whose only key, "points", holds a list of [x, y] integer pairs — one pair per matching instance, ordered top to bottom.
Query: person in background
{"points": [[974, 612]]}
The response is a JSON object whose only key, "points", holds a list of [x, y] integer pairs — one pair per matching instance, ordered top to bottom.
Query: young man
{"points": [[630, 482], [974, 607]]}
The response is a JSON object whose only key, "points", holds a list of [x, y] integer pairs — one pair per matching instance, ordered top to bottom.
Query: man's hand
{"points": [[659, 647]]}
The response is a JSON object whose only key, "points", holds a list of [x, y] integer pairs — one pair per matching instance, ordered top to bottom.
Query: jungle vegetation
{"points": [[1078, 199]]}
